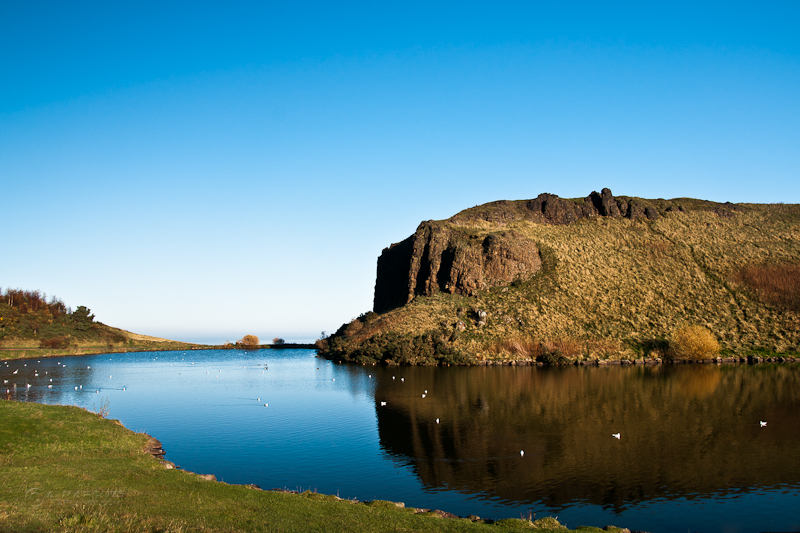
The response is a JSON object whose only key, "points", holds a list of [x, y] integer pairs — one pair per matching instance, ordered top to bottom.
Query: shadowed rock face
{"points": [[441, 258]]}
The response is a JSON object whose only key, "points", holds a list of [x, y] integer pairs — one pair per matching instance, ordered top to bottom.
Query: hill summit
{"points": [[587, 278]]}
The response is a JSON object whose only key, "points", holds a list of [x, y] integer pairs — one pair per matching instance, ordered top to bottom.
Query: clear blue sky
{"points": [[202, 171]]}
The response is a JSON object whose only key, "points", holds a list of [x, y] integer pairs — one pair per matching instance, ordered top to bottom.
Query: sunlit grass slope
{"points": [[614, 288], [65, 469]]}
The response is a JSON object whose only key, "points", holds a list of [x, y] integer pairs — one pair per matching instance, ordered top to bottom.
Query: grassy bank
{"points": [[32, 352], [65, 469]]}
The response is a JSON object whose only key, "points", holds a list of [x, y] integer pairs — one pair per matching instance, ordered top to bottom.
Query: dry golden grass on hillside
{"points": [[625, 285]]}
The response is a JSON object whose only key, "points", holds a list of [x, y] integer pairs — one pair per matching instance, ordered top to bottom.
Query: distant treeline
{"points": [[33, 301], [31, 315]]}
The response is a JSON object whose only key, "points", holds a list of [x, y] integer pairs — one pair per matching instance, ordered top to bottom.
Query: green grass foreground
{"points": [[66, 469]]}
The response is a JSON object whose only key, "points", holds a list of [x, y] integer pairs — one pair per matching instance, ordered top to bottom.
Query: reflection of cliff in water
{"points": [[685, 430]]}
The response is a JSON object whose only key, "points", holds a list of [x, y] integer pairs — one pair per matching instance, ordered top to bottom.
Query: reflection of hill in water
{"points": [[64, 378], [685, 430]]}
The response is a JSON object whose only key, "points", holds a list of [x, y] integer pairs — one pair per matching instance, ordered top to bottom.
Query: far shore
{"points": [[22, 352]]}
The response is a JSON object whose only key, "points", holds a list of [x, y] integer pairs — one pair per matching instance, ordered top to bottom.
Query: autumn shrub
{"points": [[248, 341], [693, 342], [516, 346], [569, 348]]}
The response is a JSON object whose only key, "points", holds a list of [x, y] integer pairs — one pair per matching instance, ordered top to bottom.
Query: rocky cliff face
{"points": [[441, 257], [438, 258]]}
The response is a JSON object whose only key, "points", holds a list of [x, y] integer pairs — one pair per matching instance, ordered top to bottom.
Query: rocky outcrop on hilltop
{"points": [[551, 209], [442, 257]]}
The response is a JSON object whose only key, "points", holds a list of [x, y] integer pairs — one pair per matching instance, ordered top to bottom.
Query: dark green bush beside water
{"points": [[429, 348]]}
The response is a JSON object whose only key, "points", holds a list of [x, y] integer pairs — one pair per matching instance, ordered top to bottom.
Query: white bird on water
{"points": [[423, 395], [383, 404], [266, 405], [437, 420], [762, 423], [616, 436], [522, 453]]}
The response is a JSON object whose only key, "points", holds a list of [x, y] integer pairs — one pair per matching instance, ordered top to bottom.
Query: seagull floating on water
{"points": [[423, 395], [383, 404], [437, 420], [762, 423], [616, 436], [522, 453]]}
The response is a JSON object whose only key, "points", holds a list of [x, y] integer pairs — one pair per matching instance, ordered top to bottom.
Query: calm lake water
{"points": [[692, 455]]}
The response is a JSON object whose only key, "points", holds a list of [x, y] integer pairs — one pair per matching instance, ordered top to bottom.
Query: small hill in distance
{"points": [[582, 279], [31, 325]]}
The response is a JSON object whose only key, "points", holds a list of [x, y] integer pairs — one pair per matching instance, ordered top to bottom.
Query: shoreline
{"points": [[644, 361], [156, 449], [167, 497]]}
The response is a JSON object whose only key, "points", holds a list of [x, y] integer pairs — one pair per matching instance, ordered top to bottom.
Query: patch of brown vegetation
{"points": [[775, 284]]}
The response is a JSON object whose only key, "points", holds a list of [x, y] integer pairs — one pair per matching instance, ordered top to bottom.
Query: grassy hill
{"points": [[610, 286], [33, 326]]}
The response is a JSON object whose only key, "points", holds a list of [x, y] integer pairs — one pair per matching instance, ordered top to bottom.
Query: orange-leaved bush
{"points": [[248, 341], [693, 342]]}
